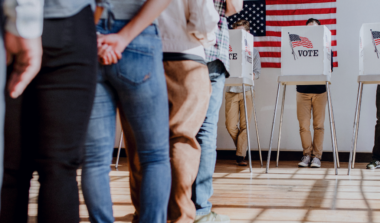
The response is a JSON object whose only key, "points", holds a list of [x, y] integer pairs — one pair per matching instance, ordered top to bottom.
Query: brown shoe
{"points": [[240, 161]]}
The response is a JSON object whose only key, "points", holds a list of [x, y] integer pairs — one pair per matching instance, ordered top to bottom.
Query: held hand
{"points": [[110, 48], [27, 56]]}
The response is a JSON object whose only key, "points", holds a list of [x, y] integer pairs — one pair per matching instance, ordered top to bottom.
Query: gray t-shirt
{"points": [[66, 8], [125, 9], [256, 71]]}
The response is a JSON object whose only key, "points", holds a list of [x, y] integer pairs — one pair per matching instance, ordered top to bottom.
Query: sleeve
{"points": [[24, 17], [203, 21], [332, 61], [256, 64]]}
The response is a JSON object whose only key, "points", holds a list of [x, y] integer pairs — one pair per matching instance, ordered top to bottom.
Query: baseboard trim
{"points": [[284, 155]]}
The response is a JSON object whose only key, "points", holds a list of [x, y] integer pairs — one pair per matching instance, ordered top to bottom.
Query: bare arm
{"points": [[233, 7], [22, 41], [119, 41]]}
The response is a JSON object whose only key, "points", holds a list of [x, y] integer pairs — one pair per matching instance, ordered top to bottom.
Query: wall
{"points": [[350, 15]]}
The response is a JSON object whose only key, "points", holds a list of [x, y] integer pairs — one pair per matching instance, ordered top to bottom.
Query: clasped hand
{"points": [[110, 48]]}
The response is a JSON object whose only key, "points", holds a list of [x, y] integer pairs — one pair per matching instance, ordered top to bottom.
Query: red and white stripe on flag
{"points": [[281, 13]]}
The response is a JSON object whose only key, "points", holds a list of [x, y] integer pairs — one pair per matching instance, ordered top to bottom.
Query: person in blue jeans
{"points": [[217, 59], [136, 85]]}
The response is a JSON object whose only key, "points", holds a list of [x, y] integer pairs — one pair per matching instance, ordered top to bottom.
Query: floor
{"points": [[287, 194]]}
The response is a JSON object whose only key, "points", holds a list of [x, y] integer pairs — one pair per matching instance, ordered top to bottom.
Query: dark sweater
{"points": [[314, 89]]}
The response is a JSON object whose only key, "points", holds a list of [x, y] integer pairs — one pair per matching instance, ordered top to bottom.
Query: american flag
{"points": [[267, 17], [376, 37], [300, 41]]}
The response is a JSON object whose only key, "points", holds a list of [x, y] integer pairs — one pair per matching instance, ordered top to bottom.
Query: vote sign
{"points": [[369, 49], [306, 50], [241, 53]]}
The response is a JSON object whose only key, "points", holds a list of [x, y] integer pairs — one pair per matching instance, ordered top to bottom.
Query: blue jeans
{"points": [[137, 85], [202, 187]]}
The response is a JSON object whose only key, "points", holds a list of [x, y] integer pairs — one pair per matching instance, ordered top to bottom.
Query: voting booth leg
{"points": [[356, 119], [273, 124], [247, 125], [256, 125], [331, 126], [279, 131], [336, 140], [118, 151], [351, 162]]}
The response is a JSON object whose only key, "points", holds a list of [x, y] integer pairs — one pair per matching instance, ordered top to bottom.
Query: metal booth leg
{"points": [[357, 123], [273, 124], [256, 125], [331, 126], [356, 126], [247, 127], [279, 131], [336, 140], [118, 151]]}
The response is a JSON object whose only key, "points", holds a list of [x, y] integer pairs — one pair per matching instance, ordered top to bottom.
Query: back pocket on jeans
{"points": [[136, 65]]}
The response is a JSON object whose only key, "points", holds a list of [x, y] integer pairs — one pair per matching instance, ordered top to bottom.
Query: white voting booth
{"points": [[305, 60], [369, 73], [241, 74]]}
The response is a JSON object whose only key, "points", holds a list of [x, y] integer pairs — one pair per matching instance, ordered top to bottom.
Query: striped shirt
{"points": [[220, 50], [256, 71]]}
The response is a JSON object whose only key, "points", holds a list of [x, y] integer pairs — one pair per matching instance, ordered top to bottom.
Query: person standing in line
{"points": [[187, 26], [23, 46], [217, 58], [131, 79], [312, 99], [235, 115], [45, 128], [375, 163]]}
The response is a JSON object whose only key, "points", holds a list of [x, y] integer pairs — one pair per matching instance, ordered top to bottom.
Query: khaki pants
{"points": [[189, 91], [306, 103], [235, 116]]}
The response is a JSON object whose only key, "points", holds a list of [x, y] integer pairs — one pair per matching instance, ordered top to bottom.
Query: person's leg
{"points": [[139, 80], [189, 91], [2, 103], [57, 108], [319, 109], [304, 116], [232, 117], [242, 139], [376, 147], [98, 154], [202, 187]]}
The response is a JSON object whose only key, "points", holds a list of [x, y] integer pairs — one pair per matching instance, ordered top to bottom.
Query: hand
{"points": [[110, 47], [27, 55]]}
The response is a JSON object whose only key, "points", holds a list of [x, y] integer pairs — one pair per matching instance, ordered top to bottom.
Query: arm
{"points": [[233, 7], [203, 21], [22, 40], [119, 41], [256, 64]]}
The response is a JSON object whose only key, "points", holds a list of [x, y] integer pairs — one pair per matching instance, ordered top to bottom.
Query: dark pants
{"points": [[46, 128], [376, 147]]}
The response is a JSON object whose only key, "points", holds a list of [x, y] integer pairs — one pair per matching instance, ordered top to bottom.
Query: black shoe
{"points": [[240, 161]]}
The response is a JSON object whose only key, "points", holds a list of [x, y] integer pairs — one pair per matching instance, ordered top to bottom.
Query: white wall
{"points": [[350, 15]]}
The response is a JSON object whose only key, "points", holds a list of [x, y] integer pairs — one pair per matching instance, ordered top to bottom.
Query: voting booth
{"points": [[369, 46], [306, 50], [241, 54], [305, 60], [369, 73], [241, 74]]}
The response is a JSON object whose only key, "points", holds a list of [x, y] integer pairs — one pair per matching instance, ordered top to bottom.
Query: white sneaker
{"points": [[305, 161], [316, 163], [212, 217]]}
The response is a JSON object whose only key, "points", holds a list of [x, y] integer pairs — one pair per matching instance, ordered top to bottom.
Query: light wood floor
{"points": [[287, 194]]}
